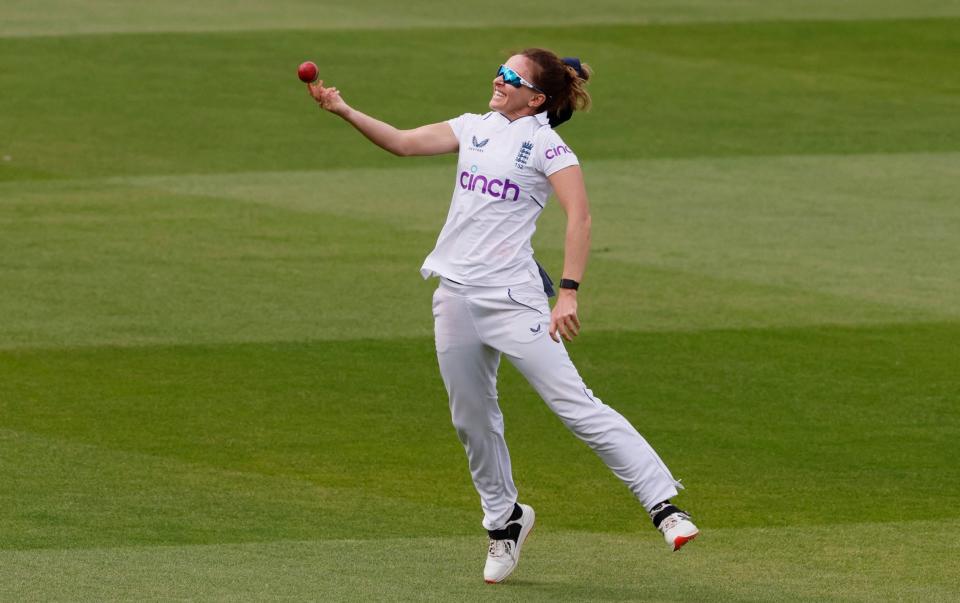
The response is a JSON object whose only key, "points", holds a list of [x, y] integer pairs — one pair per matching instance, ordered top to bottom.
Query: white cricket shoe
{"points": [[678, 530], [504, 552]]}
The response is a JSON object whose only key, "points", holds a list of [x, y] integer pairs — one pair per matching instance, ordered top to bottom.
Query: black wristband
{"points": [[567, 283]]}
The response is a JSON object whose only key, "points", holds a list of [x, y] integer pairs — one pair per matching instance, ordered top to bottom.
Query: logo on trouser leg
{"points": [[537, 330]]}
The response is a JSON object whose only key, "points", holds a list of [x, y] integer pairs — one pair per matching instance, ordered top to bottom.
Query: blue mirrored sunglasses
{"points": [[513, 78]]}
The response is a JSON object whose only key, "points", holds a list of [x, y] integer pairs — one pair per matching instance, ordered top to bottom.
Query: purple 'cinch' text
{"points": [[557, 151], [494, 187]]}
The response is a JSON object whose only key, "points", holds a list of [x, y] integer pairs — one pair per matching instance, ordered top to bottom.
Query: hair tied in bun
{"points": [[575, 63]]}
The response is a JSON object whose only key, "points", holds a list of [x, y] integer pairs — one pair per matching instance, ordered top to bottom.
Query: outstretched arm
{"points": [[432, 139], [572, 194]]}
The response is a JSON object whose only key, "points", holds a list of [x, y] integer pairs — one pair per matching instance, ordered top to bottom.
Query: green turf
{"points": [[65, 17], [174, 103], [217, 378], [810, 414], [853, 562]]}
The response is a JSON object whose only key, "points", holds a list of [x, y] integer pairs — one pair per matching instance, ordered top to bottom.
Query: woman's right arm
{"points": [[432, 139]]}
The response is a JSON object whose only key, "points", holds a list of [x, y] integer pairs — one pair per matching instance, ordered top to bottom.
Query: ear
{"points": [[537, 101]]}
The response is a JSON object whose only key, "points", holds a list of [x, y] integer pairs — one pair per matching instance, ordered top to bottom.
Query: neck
{"points": [[515, 115]]}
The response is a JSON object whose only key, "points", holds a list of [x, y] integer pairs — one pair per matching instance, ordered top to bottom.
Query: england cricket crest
{"points": [[523, 155]]}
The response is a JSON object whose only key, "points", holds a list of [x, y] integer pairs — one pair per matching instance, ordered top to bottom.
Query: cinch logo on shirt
{"points": [[557, 151], [495, 188]]}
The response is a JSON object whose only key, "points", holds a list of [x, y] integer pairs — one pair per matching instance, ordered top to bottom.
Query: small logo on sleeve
{"points": [[479, 144], [554, 152], [523, 155]]}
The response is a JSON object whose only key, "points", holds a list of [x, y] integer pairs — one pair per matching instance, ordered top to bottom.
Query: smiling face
{"points": [[516, 102]]}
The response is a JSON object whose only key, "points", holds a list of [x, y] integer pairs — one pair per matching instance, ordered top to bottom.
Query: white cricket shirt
{"points": [[499, 191]]}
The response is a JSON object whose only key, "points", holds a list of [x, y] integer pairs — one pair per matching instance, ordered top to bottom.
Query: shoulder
{"points": [[470, 117], [466, 121], [461, 122], [546, 134], [549, 143], [552, 153]]}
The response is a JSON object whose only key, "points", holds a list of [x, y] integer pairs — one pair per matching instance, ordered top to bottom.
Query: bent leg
{"points": [[547, 366]]}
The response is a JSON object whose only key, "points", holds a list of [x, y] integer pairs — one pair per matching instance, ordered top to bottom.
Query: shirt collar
{"points": [[541, 118]]}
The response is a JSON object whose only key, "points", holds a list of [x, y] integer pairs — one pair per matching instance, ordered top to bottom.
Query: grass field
{"points": [[217, 374]]}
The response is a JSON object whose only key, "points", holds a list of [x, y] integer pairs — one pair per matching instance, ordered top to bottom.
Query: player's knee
{"points": [[582, 418], [476, 425], [476, 433]]}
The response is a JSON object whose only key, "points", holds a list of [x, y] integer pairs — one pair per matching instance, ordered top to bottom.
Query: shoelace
{"points": [[672, 521], [500, 548]]}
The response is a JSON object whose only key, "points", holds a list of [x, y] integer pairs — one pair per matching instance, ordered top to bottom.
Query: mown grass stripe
{"points": [[22, 18], [705, 90], [763, 426], [851, 562]]}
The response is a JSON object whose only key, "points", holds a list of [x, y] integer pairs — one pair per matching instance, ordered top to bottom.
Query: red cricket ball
{"points": [[308, 72]]}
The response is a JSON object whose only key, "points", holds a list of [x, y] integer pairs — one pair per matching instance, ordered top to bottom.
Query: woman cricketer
{"points": [[492, 296]]}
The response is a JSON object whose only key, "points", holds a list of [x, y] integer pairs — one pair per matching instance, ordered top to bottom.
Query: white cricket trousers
{"points": [[473, 327]]}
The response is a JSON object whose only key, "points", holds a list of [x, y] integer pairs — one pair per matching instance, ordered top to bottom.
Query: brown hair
{"points": [[563, 84]]}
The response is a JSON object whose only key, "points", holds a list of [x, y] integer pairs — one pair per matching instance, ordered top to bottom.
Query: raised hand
{"points": [[328, 98]]}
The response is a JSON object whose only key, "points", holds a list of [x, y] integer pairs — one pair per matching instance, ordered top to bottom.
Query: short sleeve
{"points": [[459, 123], [552, 154]]}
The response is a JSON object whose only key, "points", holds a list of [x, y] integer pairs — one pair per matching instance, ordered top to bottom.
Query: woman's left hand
{"points": [[563, 318]]}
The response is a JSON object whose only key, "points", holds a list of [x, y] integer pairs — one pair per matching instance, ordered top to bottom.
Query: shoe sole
{"points": [[524, 533], [682, 540]]}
